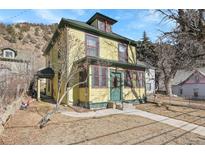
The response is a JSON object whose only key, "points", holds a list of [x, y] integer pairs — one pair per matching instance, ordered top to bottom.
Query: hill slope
{"points": [[28, 40]]}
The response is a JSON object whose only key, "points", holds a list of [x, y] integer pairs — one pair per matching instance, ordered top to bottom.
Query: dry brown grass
{"points": [[114, 129]]}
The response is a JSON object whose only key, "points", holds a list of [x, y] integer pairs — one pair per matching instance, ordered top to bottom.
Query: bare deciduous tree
{"points": [[184, 46], [70, 49]]}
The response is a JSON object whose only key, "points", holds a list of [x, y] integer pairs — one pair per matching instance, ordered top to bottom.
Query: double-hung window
{"points": [[101, 25], [92, 46], [122, 51], [99, 76], [128, 79], [140, 79]]}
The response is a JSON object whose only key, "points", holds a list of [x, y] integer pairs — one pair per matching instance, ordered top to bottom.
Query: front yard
{"points": [[114, 129]]}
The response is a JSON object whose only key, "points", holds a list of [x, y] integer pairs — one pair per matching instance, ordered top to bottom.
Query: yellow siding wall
{"points": [[76, 50], [108, 50], [132, 54], [53, 57], [48, 92], [83, 94], [129, 94]]}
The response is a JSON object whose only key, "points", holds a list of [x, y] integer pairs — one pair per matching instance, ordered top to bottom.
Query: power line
{"points": [[15, 16]]}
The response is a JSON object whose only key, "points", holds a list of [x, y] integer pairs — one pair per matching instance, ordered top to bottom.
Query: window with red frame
{"points": [[101, 25], [104, 26], [108, 27], [92, 46], [122, 51], [99, 76], [128, 79], [140, 79]]}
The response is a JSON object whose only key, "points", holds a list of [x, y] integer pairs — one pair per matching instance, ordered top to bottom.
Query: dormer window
{"points": [[101, 22], [101, 25], [104, 26], [108, 28], [9, 53]]}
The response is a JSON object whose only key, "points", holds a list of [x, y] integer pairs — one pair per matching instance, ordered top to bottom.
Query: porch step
{"points": [[128, 106]]}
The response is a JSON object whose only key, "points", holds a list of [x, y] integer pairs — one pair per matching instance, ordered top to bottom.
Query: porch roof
{"points": [[110, 63], [47, 73]]}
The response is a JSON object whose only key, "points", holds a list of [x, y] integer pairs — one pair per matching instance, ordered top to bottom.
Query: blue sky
{"points": [[131, 23]]}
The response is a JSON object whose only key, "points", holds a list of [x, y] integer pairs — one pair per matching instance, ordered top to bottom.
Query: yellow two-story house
{"points": [[112, 73]]}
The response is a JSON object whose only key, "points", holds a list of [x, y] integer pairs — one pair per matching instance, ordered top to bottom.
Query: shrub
{"points": [[25, 27], [11, 30], [37, 33], [20, 35], [46, 37]]}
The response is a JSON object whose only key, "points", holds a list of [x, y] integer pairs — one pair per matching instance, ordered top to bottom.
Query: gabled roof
{"points": [[101, 16], [89, 29], [47, 73], [183, 75]]}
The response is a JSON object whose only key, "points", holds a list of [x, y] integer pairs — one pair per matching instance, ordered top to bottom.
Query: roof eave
{"points": [[65, 22]]}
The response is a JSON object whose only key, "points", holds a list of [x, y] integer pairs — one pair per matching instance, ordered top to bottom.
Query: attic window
{"points": [[101, 25], [104, 26]]}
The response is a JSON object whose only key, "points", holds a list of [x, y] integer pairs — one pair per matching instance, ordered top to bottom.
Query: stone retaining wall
{"points": [[10, 110]]}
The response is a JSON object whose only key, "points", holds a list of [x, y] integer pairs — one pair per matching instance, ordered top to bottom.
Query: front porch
{"points": [[46, 73], [106, 84]]}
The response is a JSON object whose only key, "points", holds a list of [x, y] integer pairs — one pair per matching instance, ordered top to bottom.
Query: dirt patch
{"points": [[114, 129]]}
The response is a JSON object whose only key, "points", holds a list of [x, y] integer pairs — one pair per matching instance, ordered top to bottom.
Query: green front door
{"points": [[115, 86]]}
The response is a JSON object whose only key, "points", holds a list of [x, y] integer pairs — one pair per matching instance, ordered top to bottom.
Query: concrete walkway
{"points": [[163, 119]]}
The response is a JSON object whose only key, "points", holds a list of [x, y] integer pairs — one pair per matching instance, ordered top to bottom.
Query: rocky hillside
{"points": [[28, 40]]}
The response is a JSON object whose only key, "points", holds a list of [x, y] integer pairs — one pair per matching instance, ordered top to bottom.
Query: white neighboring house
{"points": [[149, 78], [189, 84]]}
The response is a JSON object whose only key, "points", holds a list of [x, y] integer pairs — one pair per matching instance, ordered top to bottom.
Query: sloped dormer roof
{"points": [[101, 16]]}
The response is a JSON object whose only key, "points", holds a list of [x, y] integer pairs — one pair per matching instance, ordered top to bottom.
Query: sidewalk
{"points": [[163, 119]]}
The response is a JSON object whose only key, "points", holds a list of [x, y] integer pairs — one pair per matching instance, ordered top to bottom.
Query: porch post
{"points": [[38, 89]]}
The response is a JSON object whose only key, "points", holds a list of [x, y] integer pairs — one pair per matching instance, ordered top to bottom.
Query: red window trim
{"points": [[102, 22], [106, 25], [88, 46], [126, 52], [106, 76], [126, 78], [142, 78]]}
